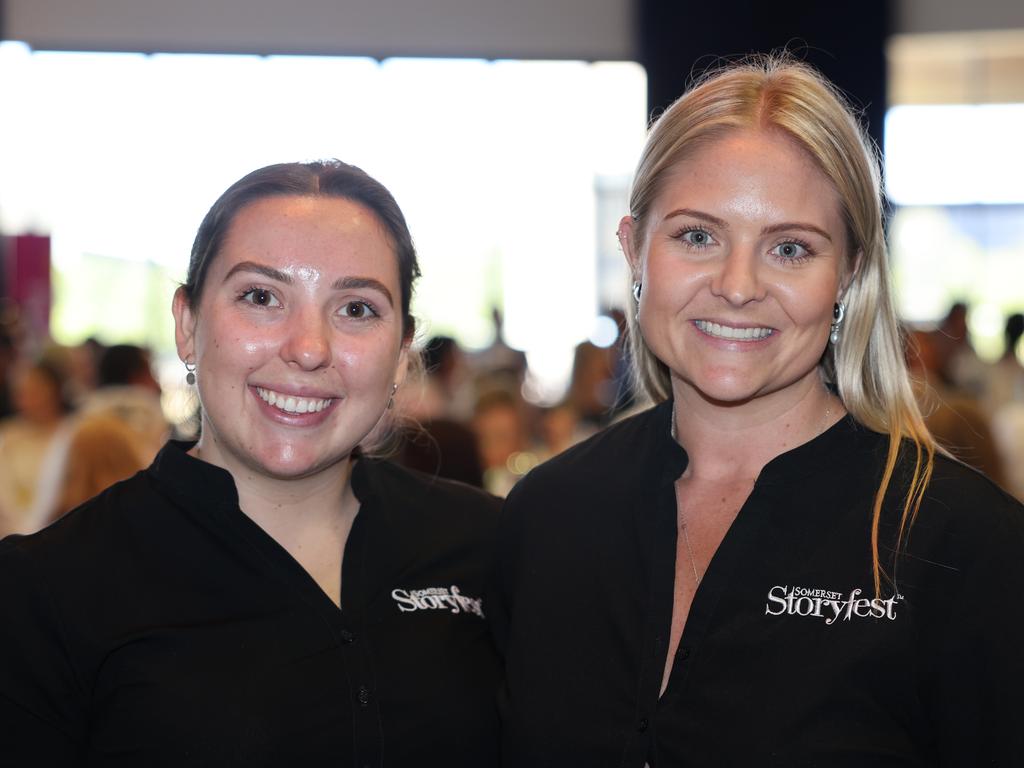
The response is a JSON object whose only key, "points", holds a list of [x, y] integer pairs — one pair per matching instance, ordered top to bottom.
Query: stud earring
{"points": [[838, 315], [190, 376]]}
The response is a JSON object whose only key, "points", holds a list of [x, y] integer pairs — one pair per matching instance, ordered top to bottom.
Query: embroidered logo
{"points": [[438, 599], [827, 605]]}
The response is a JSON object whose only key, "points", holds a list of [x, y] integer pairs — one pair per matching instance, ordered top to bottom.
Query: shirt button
{"points": [[347, 637], [684, 653], [364, 695], [642, 725]]}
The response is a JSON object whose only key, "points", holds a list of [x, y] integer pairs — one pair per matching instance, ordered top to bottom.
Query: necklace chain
{"points": [[683, 525]]}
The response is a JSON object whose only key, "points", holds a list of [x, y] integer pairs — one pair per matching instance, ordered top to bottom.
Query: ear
{"points": [[626, 234], [850, 274], [184, 326], [402, 369]]}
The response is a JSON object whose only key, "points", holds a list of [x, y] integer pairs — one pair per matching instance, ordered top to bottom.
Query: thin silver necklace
{"points": [[683, 525]]}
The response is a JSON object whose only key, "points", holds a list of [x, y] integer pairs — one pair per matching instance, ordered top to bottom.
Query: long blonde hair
{"points": [[866, 367]]}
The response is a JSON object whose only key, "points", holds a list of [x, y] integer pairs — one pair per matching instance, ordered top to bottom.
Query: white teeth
{"points": [[728, 332], [292, 404]]}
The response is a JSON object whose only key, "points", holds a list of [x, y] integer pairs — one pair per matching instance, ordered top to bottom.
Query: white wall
{"points": [[562, 29]]}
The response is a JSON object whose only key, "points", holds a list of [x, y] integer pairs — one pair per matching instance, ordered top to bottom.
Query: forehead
{"points": [[751, 172], [331, 233]]}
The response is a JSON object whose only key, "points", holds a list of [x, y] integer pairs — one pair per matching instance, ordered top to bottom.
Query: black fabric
{"points": [[159, 626], [931, 676]]}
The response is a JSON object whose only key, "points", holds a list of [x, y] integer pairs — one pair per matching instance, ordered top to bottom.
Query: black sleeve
{"points": [[977, 692], [40, 697]]}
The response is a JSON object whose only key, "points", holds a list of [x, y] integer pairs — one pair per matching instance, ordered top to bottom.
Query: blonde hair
{"points": [[867, 366], [101, 450]]}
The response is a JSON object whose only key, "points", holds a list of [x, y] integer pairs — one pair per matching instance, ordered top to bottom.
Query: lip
{"points": [[747, 335], [294, 418]]}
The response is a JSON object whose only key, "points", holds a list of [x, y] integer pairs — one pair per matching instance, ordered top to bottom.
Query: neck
{"points": [[730, 441], [295, 507]]}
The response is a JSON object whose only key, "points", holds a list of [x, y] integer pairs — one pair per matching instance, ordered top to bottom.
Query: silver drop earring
{"points": [[637, 287], [838, 313], [190, 375], [391, 400]]}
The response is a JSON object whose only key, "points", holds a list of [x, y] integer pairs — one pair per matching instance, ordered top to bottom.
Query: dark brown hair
{"points": [[321, 178]]}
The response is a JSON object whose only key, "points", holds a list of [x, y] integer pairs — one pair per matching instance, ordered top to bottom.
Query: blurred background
{"points": [[508, 133]]}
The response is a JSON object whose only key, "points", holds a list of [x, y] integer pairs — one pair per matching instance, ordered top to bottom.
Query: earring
{"points": [[637, 287], [838, 314], [190, 376], [391, 400]]}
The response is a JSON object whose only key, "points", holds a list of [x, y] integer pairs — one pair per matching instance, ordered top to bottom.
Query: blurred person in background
{"points": [[499, 365], [961, 368], [1006, 376], [593, 386], [126, 389], [1006, 405], [956, 421], [502, 433], [25, 440], [437, 440], [96, 451], [774, 565], [272, 594]]}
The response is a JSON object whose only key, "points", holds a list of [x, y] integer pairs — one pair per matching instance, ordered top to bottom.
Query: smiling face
{"points": [[741, 260], [297, 337]]}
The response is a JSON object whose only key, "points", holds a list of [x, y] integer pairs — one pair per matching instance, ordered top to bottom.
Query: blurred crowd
{"points": [[974, 408], [74, 420]]}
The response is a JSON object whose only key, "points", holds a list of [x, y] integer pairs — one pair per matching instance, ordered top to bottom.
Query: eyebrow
{"points": [[785, 226], [262, 269], [347, 283], [341, 284]]}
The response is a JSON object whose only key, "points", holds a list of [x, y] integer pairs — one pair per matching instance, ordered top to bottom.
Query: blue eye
{"points": [[698, 238], [791, 251], [260, 297]]}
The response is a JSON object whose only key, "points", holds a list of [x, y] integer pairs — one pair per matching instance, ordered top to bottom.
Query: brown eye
{"points": [[260, 297], [357, 310]]}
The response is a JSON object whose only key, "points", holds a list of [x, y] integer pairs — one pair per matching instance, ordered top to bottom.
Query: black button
{"points": [[347, 637], [684, 653], [364, 695], [642, 725]]}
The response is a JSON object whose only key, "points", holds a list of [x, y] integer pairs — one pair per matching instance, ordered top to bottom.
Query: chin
{"points": [[294, 464]]}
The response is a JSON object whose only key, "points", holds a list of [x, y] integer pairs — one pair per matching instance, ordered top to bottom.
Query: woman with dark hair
{"points": [[774, 566], [271, 594]]}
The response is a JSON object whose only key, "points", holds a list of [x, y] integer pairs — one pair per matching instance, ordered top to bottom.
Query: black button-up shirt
{"points": [[159, 626], [787, 658]]}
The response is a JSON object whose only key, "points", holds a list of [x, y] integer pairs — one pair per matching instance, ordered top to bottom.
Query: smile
{"points": [[736, 334], [292, 404]]}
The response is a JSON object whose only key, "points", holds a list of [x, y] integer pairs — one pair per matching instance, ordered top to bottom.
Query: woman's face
{"points": [[741, 260], [297, 337]]}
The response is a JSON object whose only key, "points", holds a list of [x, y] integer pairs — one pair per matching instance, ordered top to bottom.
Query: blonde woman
{"points": [[774, 566]]}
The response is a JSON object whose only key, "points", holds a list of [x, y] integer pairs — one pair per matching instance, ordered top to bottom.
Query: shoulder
{"points": [[617, 457], [416, 494], [961, 498], [92, 537]]}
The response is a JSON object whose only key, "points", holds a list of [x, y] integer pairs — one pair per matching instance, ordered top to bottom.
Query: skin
{"points": [[746, 234], [303, 300]]}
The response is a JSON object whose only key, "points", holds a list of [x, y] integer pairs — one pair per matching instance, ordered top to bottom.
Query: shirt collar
{"points": [[804, 460], [196, 483]]}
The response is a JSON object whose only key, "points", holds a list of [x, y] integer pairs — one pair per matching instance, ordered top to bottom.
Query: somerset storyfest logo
{"points": [[448, 599], [831, 606]]}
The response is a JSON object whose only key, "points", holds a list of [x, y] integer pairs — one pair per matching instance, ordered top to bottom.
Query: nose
{"points": [[738, 277], [307, 343]]}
